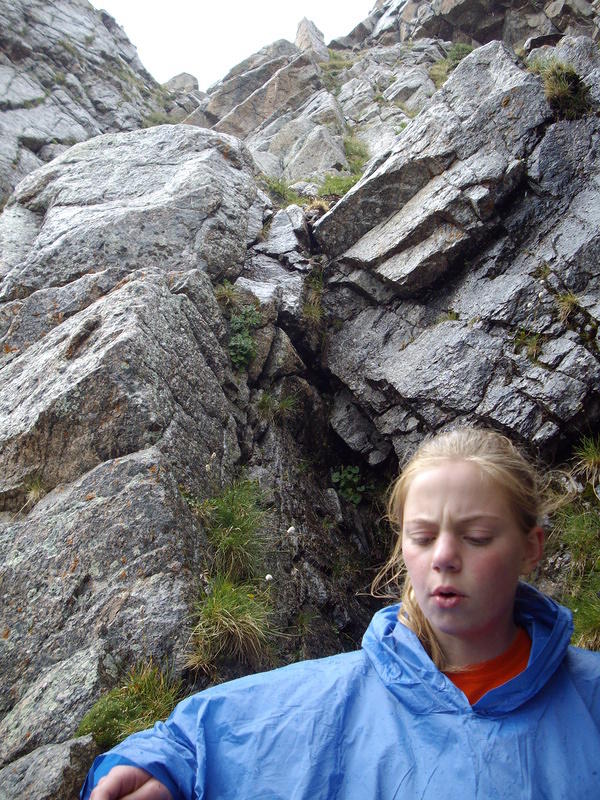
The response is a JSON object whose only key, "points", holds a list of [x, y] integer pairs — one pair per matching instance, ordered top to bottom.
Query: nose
{"points": [[446, 553]]}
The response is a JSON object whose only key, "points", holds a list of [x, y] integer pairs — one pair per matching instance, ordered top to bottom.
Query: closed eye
{"points": [[479, 541]]}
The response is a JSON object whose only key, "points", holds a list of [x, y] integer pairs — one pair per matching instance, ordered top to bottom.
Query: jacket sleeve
{"points": [[170, 752]]}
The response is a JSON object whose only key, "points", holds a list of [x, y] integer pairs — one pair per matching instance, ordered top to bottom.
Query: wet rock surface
{"points": [[456, 281]]}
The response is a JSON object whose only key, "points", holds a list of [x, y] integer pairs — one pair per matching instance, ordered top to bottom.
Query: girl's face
{"points": [[464, 552]]}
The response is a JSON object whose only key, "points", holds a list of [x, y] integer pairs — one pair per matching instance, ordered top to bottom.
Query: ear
{"points": [[534, 549]]}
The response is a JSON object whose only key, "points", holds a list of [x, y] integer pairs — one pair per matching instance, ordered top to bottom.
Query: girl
{"points": [[467, 689]]}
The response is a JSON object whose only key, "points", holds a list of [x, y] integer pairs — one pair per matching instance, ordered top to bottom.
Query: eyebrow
{"points": [[466, 518]]}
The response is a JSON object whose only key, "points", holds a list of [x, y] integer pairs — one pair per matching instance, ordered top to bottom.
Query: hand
{"points": [[129, 783]]}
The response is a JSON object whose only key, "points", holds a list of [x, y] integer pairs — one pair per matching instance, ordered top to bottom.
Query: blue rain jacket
{"points": [[384, 724]]}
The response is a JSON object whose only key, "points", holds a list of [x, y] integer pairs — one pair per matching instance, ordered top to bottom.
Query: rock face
{"points": [[472, 21], [67, 72], [456, 281], [462, 298]]}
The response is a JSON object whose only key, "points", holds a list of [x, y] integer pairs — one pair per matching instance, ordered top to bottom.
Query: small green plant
{"points": [[89, 39], [68, 45], [332, 69], [440, 71], [566, 93], [157, 118], [357, 154], [337, 185], [281, 192], [542, 271], [227, 294], [567, 304], [312, 313], [448, 316], [530, 342], [242, 347], [273, 408], [587, 459], [349, 484], [34, 489], [234, 522], [577, 527], [586, 616], [231, 621], [149, 694]]}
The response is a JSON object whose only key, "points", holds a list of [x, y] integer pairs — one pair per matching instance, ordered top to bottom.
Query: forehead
{"points": [[460, 486]]}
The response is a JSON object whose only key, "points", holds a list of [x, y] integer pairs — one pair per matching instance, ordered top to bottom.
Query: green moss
{"points": [[448, 316], [149, 694]]}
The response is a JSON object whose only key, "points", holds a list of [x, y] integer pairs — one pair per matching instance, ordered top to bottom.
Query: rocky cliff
{"points": [[170, 321]]}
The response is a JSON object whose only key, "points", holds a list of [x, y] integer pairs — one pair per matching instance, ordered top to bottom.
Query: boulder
{"points": [[184, 82], [190, 204]]}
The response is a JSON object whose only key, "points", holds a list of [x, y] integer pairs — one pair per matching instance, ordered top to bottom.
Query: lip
{"points": [[441, 591], [447, 597]]}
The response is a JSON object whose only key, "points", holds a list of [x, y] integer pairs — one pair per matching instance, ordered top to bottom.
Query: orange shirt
{"points": [[480, 678]]}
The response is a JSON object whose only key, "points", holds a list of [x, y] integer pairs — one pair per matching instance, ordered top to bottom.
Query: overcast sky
{"points": [[207, 38]]}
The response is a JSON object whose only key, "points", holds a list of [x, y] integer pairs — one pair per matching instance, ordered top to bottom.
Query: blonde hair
{"points": [[499, 461]]}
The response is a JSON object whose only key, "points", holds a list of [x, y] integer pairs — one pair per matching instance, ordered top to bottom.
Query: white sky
{"points": [[207, 38]]}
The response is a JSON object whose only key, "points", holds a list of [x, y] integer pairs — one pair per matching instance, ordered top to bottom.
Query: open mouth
{"points": [[447, 597]]}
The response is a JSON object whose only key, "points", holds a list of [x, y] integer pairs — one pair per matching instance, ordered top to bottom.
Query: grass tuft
{"points": [[440, 71], [566, 93], [337, 185], [280, 191], [227, 294], [567, 304], [530, 342], [273, 408], [587, 463], [234, 526], [232, 621], [148, 695]]}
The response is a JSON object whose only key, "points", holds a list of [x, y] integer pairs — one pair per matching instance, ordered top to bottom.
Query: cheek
{"points": [[497, 574]]}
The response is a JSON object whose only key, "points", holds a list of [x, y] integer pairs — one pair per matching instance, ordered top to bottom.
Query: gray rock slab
{"points": [[309, 37], [288, 88], [479, 111], [187, 204], [142, 360], [95, 577], [52, 772]]}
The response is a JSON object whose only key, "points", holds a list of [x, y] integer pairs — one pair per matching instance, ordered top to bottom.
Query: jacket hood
{"points": [[401, 662]]}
